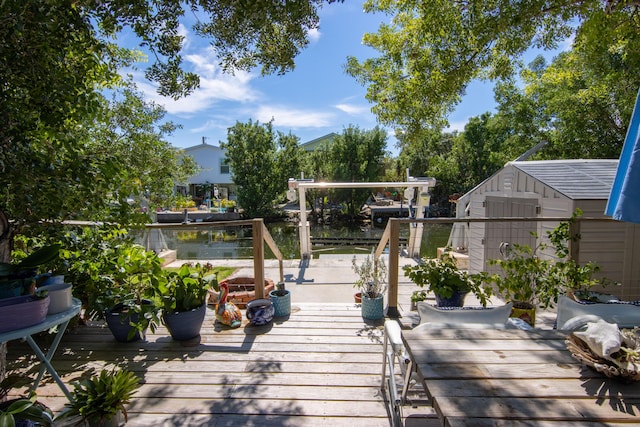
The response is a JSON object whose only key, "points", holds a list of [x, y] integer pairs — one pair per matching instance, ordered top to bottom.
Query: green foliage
{"points": [[428, 55], [252, 152], [68, 153], [356, 155], [184, 202], [29, 264], [372, 276], [443, 278], [525, 278], [529, 278], [130, 281], [187, 288], [417, 296], [100, 397], [24, 409]]}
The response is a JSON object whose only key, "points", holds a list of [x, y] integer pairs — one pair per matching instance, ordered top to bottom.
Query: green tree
{"points": [[429, 54], [585, 103], [133, 137], [252, 154], [357, 156]]}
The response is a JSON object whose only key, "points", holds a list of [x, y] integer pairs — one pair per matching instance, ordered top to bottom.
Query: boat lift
{"points": [[422, 184]]}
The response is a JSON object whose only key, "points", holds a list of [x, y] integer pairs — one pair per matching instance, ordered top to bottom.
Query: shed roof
{"points": [[586, 179]]}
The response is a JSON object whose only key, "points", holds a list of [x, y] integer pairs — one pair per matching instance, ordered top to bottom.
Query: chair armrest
{"points": [[393, 332]]}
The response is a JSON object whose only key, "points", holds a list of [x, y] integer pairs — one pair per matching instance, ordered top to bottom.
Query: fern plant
{"points": [[102, 396]]}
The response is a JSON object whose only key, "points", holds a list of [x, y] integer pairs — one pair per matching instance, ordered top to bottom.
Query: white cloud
{"points": [[314, 35], [215, 86], [353, 109], [293, 117]]}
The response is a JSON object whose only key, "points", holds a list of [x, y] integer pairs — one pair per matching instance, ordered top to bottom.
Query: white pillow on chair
{"points": [[572, 314], [461, 317]]}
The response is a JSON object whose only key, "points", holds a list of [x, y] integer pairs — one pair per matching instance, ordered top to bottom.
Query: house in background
{"points": [[315, 144], [214, 175], [551, 189]]}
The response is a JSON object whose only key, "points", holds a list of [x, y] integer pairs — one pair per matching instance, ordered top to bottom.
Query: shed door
{"points": [[498, 233]]}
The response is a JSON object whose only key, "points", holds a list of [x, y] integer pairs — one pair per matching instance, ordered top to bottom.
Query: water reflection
{"points": [[237, 242]]}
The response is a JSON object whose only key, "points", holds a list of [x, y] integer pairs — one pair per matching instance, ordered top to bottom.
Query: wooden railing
{"points": [[261, 236]]}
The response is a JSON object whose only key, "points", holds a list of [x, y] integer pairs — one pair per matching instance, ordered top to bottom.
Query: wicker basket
{"points": [[581, 351]]}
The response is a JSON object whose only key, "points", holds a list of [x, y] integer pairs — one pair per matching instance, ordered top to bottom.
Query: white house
{"points": [[214, 175], [552, 189]]}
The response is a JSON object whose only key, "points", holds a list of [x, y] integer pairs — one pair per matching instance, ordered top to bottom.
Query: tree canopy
{"points": [[430, 52], [64, 148]]}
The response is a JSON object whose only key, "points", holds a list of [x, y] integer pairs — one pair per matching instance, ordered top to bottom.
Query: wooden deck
{"points": [[320, 367]]}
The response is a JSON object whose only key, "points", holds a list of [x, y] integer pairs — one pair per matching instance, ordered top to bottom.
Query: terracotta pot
{"points": [[358, 297]]}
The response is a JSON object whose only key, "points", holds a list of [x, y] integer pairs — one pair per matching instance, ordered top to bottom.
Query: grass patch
{"points": [[220, 272]]}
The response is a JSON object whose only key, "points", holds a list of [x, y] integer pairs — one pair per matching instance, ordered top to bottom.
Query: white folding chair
{"points": [[394, 352]]}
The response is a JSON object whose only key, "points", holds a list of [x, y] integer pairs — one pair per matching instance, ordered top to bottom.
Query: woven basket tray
{"points": [[580, 351]]}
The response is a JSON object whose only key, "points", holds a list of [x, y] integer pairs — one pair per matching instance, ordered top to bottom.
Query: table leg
{"points": [[46, 360]]}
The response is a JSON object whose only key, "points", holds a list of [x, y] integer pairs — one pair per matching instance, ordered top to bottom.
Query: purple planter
{"points": [[21, 312]]}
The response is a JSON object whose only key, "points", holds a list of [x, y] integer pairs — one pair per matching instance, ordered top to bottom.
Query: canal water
{"points": [[237, 242]]}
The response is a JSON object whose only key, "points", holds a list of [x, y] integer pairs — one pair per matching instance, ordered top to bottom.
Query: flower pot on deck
{"points": [[456, 300], [281, 303], [372, 308], [260, 311], [524, 311], [119, 323], [185, 325]]}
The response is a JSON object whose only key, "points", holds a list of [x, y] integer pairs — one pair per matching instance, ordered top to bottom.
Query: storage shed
{"points": [[551, 189]]}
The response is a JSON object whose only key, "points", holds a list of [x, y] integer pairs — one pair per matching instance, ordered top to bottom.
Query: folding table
{"points": [[59, 320]]}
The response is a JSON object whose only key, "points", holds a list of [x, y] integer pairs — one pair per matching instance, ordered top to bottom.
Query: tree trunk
{"points": [[6, 244]]}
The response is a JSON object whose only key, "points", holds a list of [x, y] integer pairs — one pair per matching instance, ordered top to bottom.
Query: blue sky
{"points": [[313, 100]]}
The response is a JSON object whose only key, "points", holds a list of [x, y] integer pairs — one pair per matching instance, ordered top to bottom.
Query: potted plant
{"points": [[19, 278], [530, 280], [371, 283], [449, 284], [127, 293], [416, 297], [183, 298], [281, 299], [100, 400], [24, 412]]}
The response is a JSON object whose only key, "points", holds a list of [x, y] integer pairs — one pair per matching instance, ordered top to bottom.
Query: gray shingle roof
{"points": [[589, 179]]}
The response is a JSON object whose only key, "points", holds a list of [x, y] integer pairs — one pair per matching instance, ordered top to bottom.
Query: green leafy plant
{"points": [[372, 276], [19, 278], [443, 278], [524, 279], [530, 280], [130, 283], [186, 289], [417, 296], [102, 396], [25, 409]]}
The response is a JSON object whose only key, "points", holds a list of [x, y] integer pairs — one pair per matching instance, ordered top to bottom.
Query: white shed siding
{"points": [[560, 187], [631, 270]]}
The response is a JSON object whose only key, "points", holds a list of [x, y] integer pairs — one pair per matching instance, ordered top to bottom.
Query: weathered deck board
{"points": [[319, 367]]}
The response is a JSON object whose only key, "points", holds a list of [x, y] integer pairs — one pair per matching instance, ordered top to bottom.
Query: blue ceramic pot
{"points": [[456, 300], [281, 303], [372, 308], [260, 311], [185, 325]]}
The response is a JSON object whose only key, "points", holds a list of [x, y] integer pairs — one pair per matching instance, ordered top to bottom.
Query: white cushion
{"points": [[572, 314], [463, 316]]}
